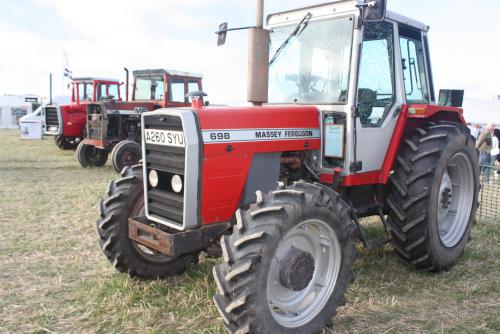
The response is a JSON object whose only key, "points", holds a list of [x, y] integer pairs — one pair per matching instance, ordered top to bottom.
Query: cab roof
{"points": [[334, 8], [161, 72], [92, 79]]}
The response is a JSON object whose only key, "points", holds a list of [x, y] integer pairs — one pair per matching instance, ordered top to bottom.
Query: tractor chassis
{"points": [[174, 243]]}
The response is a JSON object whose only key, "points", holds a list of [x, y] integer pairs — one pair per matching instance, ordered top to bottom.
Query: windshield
{"points": [[314, 66], [149, 89], [86, 91], [105, 92]]}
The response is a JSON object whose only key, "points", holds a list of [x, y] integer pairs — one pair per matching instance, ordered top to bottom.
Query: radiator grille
{"points": [[51, 119], [167, 161]]}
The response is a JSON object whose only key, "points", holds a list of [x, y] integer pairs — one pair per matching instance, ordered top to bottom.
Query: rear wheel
{"points": [[65, 143], [125, 153], [91, 156], [434, 196], [125, 200], [288, 262]]}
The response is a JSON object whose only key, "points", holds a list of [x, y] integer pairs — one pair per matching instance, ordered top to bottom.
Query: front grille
{"points": [[51, 118], [95, 121], [95, 131], [167, 161]]}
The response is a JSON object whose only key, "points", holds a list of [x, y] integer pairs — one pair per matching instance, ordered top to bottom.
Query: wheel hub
{"points": [[445, 195], [296, 269]]}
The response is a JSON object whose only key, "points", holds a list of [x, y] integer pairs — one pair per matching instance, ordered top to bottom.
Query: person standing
{"points": [[484, 144], [495, 150]]}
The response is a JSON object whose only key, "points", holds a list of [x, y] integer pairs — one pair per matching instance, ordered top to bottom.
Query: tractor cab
{"points": [[360, 65], [167, 88], [85, 90]]}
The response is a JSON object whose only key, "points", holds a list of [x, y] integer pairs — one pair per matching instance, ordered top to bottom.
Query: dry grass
{"points": [[53, 277]]}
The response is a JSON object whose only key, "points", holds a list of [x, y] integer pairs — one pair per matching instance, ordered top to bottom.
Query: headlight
{"points": [[153, 178], [177, 183]]}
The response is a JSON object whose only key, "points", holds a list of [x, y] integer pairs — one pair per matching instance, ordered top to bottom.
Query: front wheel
{"points": [[65, 143], [125, 153], [91, 156], [124, 200], [288, 262]]}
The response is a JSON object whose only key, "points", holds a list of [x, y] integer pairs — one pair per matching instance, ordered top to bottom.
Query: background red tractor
{"points": [[67, 122], [114, 126], [350, 129]]}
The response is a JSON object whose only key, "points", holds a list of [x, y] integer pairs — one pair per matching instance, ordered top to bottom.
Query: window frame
{"points": [[424, 62], [393, 70]]}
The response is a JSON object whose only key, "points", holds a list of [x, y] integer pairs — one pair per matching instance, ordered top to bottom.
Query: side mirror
{"points": [[374, 10], [222, 33], [451, 98]]}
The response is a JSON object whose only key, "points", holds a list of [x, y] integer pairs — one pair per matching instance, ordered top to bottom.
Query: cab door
{"points": [[418, 87], [379, 95]]}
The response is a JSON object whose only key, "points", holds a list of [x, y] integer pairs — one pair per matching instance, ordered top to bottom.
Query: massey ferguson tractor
{"points": [[66, 123], [344, 125], [115, 127]]}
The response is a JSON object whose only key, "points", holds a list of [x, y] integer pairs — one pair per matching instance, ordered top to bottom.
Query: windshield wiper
{"points": [[298, 30]]}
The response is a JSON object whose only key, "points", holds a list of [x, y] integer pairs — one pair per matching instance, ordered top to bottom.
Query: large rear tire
{"points": [[65, 143], [125, 153], [91, 156], [434, 196], [125, 200], [288, 262]]}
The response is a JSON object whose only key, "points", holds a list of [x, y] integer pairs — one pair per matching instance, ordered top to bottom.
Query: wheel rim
{"points": [[455, 200], [296, 308]]}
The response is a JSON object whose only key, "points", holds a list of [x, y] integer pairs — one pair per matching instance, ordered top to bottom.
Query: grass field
{"points": [[54, 279]]}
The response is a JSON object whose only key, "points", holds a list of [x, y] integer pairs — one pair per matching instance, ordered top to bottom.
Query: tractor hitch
{"points": [[173, 244]]}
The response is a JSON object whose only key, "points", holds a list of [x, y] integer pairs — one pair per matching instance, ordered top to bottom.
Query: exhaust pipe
{"points": [[258, 60], [126, 83]]}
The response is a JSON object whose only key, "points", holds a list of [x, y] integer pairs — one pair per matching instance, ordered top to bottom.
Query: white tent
{"points": [[12, 108], [477, 111]]}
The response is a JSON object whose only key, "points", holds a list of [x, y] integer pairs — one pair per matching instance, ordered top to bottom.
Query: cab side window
{"points": [[414, 71], [177, 91], [376, 93]]}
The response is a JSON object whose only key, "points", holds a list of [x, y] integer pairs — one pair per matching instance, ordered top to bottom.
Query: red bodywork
{"points": [[74, 115], [225, 171]]}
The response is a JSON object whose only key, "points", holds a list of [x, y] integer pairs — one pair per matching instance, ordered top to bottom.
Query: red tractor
{"points": [[67, 122], [116, 126], [350, 129]]}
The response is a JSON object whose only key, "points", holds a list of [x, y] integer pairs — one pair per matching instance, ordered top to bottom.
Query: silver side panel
{"points": [[191, 171]]}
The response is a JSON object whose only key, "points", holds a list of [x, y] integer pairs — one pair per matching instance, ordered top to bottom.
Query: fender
{"points": [[410, 117], [233, 137]]}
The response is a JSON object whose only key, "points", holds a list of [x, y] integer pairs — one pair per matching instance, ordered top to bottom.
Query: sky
{"points": [[100, 37]]}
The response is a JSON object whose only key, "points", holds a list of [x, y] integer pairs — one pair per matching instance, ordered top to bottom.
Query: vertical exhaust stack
{"points": [[258, 60], [126, 83]]}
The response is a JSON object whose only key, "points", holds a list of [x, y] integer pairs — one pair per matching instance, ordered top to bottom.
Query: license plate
{"points": [[52, 128], [165, 138]]}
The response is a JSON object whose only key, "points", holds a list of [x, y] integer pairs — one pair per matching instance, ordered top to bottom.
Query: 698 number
{"points": [[220, 136]]}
